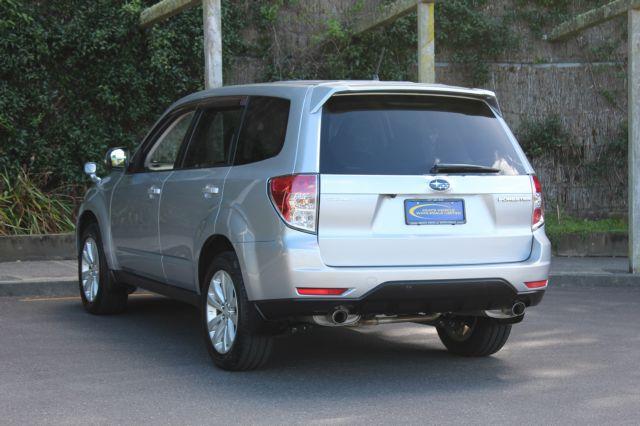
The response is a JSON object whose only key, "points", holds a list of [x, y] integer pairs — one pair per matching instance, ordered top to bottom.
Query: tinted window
{"points": [[263, 131], [407, 135], [211, 141], [164, 152]]}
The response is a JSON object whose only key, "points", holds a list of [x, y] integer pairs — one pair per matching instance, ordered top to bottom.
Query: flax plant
{"points": [[26, 209]]}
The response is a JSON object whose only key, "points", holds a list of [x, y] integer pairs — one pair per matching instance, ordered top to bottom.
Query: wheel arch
{"points": [[86, 217], [84, 220], [213, 246]]}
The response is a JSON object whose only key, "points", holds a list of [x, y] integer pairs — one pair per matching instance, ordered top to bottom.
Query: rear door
{"points": [[191, 196], [383, 203]]}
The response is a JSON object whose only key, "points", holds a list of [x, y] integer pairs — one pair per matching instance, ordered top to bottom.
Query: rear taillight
{"points": [[295, 197], [537, 219], [536, 284], [306, 291]]}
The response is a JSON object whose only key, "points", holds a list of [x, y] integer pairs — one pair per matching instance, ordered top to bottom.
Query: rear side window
{"points": [[263, 130], [408, 134], [210, 144]]}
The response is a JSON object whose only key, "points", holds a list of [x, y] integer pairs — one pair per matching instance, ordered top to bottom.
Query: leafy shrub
{"points": [[473, 36], [77, 77], [546, 136], [25, 209]]}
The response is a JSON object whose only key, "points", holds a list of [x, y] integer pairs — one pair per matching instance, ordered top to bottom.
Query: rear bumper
{"points": [[273, 270], [410, 297]]}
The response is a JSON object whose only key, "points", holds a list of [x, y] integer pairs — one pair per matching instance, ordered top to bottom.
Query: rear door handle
{"points": [[209, 190], [153, 191]]}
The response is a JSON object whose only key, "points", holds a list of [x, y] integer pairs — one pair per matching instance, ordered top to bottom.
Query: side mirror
{"points": [[117, 158], [90, 170]]}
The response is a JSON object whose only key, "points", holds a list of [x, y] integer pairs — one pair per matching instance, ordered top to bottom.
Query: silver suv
{"points": [[274, 206]]}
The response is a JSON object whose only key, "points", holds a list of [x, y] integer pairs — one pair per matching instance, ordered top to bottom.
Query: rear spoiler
{"points": [[321, 94]]}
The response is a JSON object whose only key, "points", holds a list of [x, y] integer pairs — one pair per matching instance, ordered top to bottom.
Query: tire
{"points": [[100, 293], [483, 336], [251, 346]]}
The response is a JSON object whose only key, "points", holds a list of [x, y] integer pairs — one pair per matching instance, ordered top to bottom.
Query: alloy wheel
{"points": [[90, 267], [222, 312]]}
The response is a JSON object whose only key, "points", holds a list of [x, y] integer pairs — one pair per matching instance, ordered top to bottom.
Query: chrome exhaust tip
{"points": [[518, 309], [339, 316]]}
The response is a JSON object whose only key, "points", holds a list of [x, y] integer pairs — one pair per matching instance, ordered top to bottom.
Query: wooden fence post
{"points": [[426, 42], [212, 43]]}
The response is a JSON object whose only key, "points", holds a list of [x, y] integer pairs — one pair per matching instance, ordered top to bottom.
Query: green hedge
{"points": [[77, 77]]}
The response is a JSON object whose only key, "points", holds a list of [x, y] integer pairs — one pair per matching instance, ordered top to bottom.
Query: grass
{"points": [[25, 209], [570, 225]]}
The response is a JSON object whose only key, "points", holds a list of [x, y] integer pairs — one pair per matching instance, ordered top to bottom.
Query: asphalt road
{"points": [[575, 359]]}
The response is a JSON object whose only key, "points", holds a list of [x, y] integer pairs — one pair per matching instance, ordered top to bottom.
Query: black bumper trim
{"points": [[409, 297]]}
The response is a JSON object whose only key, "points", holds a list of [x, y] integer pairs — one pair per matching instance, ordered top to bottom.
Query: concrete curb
{"points": [[597, 244], [62, 246], [37, 247], [573, 280], [69, 286], [55, 287]]}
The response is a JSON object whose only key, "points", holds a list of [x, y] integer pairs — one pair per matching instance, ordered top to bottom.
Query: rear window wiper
{"points": [[462, 168]]}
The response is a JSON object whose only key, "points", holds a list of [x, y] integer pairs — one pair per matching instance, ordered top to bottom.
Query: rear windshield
{"points": [[408, 134]]}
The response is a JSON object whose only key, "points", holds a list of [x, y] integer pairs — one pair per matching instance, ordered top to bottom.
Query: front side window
{"points": [[264, 129], [409, 134], [210, 144], [164, 152]]}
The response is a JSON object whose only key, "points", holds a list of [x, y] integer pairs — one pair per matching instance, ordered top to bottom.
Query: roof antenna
{"points": [[375, 75]]}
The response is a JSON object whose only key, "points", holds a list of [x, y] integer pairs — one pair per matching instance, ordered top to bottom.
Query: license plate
{"points": [[434, 212]]}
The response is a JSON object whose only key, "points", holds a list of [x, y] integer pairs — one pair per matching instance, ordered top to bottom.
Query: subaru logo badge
{"points": [[439, 185]]}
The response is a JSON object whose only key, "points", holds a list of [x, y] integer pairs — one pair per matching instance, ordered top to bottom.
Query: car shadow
{"points": [[324, 362]]}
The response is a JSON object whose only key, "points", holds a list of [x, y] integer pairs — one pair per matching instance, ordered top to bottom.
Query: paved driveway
{"points": [[575, 359]]}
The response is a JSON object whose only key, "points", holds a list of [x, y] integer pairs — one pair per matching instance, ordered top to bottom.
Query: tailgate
{"points": [[363, 222]]}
